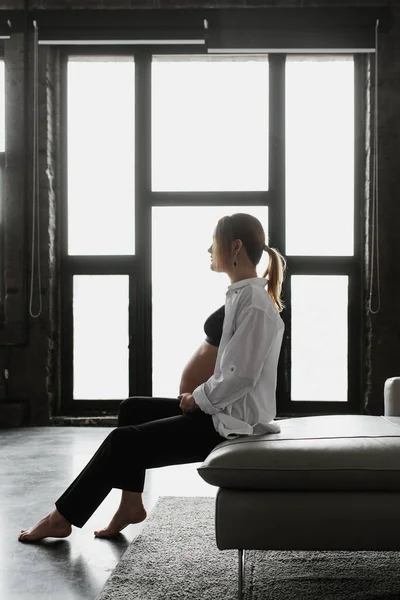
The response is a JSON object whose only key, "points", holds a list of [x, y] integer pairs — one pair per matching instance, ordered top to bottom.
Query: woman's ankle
{"points": [[132, 499], [57, 517]]}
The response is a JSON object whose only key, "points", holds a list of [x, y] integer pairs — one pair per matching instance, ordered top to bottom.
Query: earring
{"points": [[235, 264]]}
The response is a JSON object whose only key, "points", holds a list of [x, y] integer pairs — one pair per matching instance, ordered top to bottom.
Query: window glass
{"points": [[210, 123], [320, 155], [101, 207], [101, 337], [319, 337]]}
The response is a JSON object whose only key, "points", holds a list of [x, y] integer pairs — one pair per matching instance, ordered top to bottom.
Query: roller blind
{"points": [[134, 27], [244, 30], [295, 30]]}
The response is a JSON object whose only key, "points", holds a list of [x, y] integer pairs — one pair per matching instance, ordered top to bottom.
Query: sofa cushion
{"points": [[334, 452]]}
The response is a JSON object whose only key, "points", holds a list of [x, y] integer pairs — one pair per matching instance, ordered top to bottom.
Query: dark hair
{"points": [[249, 230]]}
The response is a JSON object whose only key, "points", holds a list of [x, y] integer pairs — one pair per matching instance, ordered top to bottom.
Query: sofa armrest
{"points": [[391, 396]]}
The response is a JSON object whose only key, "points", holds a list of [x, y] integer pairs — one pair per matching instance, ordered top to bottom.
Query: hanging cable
{"points": [[35, 178], [375, 197]]}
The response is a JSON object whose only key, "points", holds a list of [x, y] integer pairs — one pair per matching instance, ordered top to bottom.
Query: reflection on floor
{"points": [[36, 465]]}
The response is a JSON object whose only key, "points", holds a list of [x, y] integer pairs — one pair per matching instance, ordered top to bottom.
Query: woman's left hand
{"points": [[187, 403]]}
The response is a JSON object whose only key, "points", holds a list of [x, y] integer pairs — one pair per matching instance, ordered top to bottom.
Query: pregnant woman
{"points": [[227, 389]]}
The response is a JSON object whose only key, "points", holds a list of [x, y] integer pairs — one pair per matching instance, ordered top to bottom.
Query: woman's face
{"points": [[210, 250], [213, 251], [217, 264]]}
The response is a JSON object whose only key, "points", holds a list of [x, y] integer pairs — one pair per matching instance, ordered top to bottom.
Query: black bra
{"points": [[213, 326]]}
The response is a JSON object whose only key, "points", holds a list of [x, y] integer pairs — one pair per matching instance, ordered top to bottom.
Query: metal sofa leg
{"points": [[241, 574]]}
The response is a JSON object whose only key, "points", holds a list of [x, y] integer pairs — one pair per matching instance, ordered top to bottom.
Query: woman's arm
{"points": [[242, 361], [199, 368]]}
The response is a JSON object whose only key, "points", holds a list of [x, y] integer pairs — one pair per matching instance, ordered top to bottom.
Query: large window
{"points": [[157, 148]]}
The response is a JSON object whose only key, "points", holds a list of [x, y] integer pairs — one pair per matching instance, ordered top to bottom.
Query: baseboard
{"points": [[66, 420]]}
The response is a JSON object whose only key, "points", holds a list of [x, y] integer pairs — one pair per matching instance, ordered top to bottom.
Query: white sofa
{"points": [[322, 483]]}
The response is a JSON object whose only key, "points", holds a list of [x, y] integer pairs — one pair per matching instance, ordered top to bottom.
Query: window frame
{"points": [[138, 266]]}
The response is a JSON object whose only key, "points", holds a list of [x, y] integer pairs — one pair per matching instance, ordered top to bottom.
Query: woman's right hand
{"points": [[187, 403]]}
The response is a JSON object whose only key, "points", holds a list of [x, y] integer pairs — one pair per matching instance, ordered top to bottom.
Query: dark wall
{"points": [[384, 327], [27, 338], [29, 347]]}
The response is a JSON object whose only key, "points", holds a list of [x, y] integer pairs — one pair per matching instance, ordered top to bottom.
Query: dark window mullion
{"points": [[276, 150], [276, 178], [212, 198], [101, 265], [321, 265], [140, 329], [66, 335], [356, 368]]}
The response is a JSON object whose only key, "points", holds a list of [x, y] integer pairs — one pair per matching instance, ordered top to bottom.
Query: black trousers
{"points": [[152, 432]]}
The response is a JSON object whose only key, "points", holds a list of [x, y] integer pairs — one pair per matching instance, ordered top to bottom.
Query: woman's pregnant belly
{"points": [[199, 368]]}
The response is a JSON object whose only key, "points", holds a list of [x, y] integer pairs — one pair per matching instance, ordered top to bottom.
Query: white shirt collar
{"points": [[251, 281]]}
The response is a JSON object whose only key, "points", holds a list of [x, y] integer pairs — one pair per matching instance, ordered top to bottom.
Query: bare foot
{"points": [[123, 517], [54, 525]]}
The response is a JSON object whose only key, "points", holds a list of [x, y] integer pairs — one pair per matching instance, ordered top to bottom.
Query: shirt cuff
{"points": [[202, 401]]}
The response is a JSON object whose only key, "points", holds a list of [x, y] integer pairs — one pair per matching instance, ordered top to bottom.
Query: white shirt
{"points": [[240, 395]]}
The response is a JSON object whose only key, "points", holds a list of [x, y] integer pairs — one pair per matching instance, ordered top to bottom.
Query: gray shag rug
{"points": [[175, 557]]}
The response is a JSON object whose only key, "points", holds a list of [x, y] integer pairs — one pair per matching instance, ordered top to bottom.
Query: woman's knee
{"points": [[143, 409], [127, 411], [134, 411], [122, 440]]}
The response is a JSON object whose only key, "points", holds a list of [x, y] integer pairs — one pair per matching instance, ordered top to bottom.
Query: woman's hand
{"points": [[187, 403]]}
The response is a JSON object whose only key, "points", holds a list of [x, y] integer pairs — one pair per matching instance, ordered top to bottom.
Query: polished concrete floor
{"points": [[36, 465]]}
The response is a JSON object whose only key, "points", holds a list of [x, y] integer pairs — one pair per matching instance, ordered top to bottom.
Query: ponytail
{"points": [[275, 273]]}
